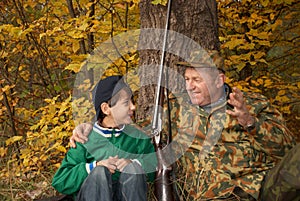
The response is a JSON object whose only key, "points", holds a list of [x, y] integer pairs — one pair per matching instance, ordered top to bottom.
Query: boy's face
{"points": [[123, 110]]}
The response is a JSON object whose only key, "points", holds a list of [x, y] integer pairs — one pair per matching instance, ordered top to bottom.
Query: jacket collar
{"points": [[219, 103], [107, 132]]}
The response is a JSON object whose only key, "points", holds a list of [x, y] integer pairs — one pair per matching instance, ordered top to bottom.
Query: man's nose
{"points": [[189, 85]]}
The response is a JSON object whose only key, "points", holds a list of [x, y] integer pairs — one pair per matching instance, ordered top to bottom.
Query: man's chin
{"points": [[195, 102]]}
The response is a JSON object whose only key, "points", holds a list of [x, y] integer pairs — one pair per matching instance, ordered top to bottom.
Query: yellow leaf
{"points": [[162, 2], [264, 3], [254, 15], [272, 16], [83, 26], [42, 35], [263, 35], [234, 43], [75, 47], [3, 54], [258, 55], [240, 66], [73, 67], [260, 81], [254, 82], [268, 82], [7, 87], [281, 92], [282, 99], [286, 109], [34, 127], [44, 129], [13, 140], [54, 146], [61, 149], [3, 151], [25, 153], [43, 157], [35, 159], [26, 162], [57, 165]]}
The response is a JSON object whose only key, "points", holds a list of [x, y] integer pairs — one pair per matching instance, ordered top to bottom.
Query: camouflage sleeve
{"points": [[270, 132], [283, 181]]}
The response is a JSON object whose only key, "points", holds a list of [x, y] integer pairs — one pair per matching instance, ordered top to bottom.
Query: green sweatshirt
{"points": [[129, 143]]}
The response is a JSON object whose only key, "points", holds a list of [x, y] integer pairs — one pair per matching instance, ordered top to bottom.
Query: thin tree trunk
{"points": [[90, 38]]}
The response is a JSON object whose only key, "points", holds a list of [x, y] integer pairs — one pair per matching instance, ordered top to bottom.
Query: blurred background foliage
{"points": [[43, 44]]}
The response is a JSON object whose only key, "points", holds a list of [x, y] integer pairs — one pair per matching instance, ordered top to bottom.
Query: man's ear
{"points": [[220, 80], [105, 108]]}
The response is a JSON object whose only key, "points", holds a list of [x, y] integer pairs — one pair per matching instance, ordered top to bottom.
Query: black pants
{"points": [[98, 186]]}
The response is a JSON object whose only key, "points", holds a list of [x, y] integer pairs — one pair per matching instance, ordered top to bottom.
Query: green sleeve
{"points": [[147, 158], [72, 172]]}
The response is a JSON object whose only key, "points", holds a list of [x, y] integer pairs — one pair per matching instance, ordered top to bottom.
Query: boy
{"points": [[112, 165]]}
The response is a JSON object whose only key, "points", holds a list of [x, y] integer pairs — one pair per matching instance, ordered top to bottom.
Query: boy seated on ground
{"points": [[113, 164]]}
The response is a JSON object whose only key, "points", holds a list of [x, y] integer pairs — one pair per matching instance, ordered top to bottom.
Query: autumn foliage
{"points": [[44, 43]]}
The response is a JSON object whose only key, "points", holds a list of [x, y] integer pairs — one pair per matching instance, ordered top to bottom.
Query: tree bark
{"points": [[196, 20]]}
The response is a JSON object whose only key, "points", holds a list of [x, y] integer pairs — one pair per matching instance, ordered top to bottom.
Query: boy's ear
{"points": [[105, 108]]}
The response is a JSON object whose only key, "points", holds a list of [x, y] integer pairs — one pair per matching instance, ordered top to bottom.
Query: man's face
{"points": [[201, 86], [123, 110]]}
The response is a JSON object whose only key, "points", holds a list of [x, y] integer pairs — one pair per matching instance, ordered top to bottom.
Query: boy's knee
{"points": [[133, 168], [100, 172], [133, 173]]}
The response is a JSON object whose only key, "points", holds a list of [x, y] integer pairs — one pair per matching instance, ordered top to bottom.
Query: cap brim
{"points": [[196, 65], [199, 65]]}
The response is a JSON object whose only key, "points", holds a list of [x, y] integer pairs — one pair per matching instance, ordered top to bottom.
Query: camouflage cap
{"points": [[204, 59]]}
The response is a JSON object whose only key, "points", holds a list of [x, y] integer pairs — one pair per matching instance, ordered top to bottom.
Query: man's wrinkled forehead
{"points": [[202, 72]]}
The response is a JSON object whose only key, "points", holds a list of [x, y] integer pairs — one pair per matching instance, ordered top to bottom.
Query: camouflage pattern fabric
{"points": [[204, 59], [222, 157], [283, 181]]}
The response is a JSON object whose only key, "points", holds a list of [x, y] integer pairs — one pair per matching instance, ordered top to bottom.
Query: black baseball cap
{"points": [[106, 89]]}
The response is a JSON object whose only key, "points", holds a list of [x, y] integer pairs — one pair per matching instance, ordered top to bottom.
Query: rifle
{"points": [[163, 186]]}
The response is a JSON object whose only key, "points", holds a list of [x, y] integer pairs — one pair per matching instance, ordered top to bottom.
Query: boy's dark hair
{"points": [[107, 90]]}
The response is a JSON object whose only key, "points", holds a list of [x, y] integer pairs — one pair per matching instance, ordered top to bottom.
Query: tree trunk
{"points": [[197, 20]]}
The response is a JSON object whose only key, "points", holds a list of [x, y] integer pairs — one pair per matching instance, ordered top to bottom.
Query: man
{"points": [[237, 138]]}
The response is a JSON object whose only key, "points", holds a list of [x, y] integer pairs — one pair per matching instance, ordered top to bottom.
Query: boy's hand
{"points": [[80, 134], [110, 163], [121, 163]]}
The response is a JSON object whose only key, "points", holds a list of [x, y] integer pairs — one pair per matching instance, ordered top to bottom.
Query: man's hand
{"points": [[240, 111], [80, 134]]}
